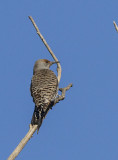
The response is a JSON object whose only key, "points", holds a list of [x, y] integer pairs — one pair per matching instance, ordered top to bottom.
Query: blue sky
{"points": [[81, 33]]}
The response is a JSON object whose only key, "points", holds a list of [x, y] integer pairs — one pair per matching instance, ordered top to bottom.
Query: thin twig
{"points": [[115, 25], [49, 49], [62, 96]]}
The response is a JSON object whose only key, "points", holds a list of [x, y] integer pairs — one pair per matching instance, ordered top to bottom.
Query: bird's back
{"points": [[44, 86]]}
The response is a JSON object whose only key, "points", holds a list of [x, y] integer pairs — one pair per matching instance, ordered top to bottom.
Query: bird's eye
{"points": [[47, 61]]}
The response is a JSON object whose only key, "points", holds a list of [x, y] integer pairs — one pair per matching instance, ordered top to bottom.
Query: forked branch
{"points": [[59, 98]]}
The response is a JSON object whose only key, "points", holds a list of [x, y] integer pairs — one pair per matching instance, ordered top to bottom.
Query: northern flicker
{"points": [[44, 88]]}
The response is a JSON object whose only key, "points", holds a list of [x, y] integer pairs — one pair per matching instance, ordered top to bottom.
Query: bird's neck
{"points": [[38, 70]]}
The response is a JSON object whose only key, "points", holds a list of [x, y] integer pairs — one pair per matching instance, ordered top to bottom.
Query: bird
{"points": [[44, 90]]}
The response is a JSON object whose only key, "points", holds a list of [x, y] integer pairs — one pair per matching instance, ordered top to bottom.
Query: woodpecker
{"points": [[44, 88]]}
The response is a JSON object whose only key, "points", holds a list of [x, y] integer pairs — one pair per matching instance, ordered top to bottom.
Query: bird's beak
{"points": [[55, 62]]}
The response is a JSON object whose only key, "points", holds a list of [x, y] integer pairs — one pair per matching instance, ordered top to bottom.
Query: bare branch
{"points": [[115, 25], [49, 49], [23, 142]]}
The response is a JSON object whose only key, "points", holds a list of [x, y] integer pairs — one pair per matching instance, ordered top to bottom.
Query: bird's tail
{"points": [[36, 118]]}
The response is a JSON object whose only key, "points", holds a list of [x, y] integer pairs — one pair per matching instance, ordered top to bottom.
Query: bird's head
{"points": [[43, 64]]}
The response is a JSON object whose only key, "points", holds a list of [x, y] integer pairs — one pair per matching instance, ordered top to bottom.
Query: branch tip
{"points": [[115, 25]]}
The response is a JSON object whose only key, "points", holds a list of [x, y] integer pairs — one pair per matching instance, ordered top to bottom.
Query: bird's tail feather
{"points": [[39, 114], [36, 118]]}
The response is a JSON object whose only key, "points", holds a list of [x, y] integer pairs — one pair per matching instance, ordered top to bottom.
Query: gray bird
{"points": [[44, 88]]}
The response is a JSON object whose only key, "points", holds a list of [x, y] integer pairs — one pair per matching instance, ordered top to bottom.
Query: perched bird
{"points": [[44, 88]]}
